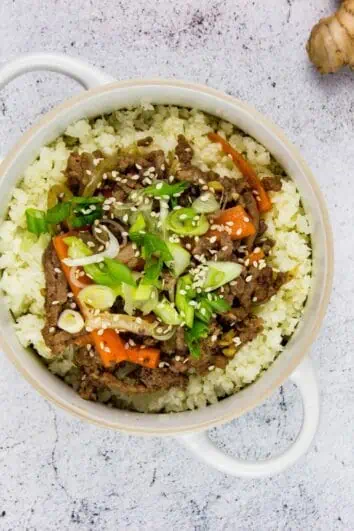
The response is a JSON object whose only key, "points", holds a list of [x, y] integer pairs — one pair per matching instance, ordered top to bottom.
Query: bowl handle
{"points": [[82, 72], [201, 445]]}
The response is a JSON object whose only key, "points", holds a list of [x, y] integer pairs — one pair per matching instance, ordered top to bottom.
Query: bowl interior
{"points": [[120, 95]]}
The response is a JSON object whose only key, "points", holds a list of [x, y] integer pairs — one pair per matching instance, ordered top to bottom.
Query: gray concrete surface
{"points": [[59, 474]]}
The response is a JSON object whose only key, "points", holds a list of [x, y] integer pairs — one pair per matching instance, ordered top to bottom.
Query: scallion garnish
{"points": [[161, 189], [36, 221], [187, 222], [193, 336]]}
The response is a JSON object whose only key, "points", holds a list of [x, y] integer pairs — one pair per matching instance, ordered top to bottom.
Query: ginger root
{"points": [[331, 43]]}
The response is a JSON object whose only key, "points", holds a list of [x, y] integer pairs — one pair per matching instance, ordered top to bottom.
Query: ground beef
{"points": [[144, 142], [184, 151], [156, 159], [76, 171], [191, 174], [273, 184], [240, 185], [232, 189], [119, 193], [251, 206], [262, 227], [267, 245], [221, 249], [127, 256], [266, 283], [254, 286], [56, 292], [235, 315], [249, 328], [168, 347], [181, 347], [220, 361], [179, 366], [155, 379], [125, 386]]}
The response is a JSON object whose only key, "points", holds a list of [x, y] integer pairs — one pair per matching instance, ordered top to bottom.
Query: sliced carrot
{"points": [[263, 201], [236, 222], [62, 251], [256, 256], [109, 345], [112, 350]]}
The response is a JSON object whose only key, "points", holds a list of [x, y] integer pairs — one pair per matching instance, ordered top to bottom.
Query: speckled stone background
{"points": [[59, 474]]}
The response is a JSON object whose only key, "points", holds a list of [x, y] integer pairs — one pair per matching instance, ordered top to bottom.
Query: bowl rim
{"points": [[48, 119]]}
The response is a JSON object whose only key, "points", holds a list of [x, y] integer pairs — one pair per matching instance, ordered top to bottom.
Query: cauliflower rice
{"points": [[23, 280]]}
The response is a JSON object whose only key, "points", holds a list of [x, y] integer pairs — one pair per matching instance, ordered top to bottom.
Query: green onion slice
{"points": [[161, 189], [58, 213], [36, 221], [187, 222], [155, 245], [193, 336]]}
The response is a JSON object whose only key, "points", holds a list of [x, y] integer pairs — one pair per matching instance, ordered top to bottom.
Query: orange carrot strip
{"points": [[263, 201], [237, 223], [62, 251], [256, 256], [109, 345], [111, 349]]}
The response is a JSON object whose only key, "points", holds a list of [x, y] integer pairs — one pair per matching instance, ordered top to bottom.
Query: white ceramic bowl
{"points": [[106, 95]]}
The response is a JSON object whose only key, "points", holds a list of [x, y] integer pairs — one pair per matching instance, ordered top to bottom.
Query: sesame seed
{"points": [[89, 172], [246, 219], [239, 232], [213, 240], [57, 270], [249, 278], [254, 299], [54, 303], [73, 305], [52, 329], [214, 338], [178, 358], [211, 367]]}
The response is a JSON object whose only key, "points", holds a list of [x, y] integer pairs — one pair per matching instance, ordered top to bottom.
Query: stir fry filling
{"points": [[156, 268]]}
